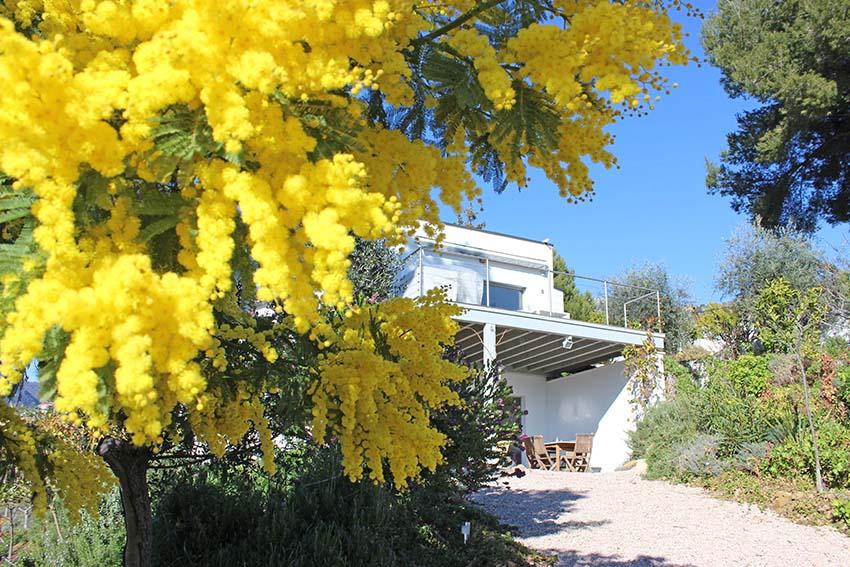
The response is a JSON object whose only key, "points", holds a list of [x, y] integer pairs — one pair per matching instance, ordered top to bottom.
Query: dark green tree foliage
{"points": [[789, 160], [374, 267], [632, 286], [580, 305], [489, 415]]}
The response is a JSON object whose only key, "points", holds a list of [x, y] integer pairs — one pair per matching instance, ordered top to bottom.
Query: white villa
{"points": [[564, 371]]}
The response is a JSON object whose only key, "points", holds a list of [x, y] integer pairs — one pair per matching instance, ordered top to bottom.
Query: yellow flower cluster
{"points": [[609, 49], [93, 60], [493, 78], [116, 309], [258, 339], [380, 374], [218, 422], [17, 446], [78, 477]]}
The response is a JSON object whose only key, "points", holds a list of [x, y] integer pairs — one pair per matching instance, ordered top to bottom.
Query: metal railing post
{"points": [[421, 272], [487, 279], [550, 288], [658, 309], [625, 316], [607, 319]]}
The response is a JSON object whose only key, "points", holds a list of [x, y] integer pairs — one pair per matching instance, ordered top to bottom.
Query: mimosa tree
{"points": [[169, 164]]}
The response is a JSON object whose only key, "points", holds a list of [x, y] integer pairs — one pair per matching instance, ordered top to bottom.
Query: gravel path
{"points": [[618, 519]]}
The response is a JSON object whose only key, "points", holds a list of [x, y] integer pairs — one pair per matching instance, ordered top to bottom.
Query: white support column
{"points": [[489, 343]]}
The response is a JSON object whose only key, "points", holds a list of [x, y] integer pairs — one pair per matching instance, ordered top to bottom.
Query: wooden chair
{"points": [[539, 457], [580, 459]]}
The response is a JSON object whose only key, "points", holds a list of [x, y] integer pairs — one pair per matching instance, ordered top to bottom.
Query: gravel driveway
{"points": [[619, 519]]}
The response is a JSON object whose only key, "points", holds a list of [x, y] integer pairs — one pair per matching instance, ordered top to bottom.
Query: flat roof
{"points": [[497, 233]]}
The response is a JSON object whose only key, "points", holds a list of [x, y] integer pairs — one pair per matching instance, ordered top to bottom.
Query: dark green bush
{"points": [[489, 415], [224, 520], [325, 520]]}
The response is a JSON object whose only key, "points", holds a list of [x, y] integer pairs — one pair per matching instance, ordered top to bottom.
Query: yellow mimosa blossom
{"points": [[186, 154]]}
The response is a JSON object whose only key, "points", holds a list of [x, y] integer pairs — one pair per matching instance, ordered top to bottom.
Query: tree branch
{"points": [[455, 23]]}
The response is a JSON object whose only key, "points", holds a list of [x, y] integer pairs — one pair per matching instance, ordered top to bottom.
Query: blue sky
{"points": [[655, 207]]}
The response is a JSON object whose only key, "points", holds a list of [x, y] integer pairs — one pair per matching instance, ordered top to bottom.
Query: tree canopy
{"points": [[789, 160], [168, 164], [756, 256], [580, 305], [643, 305]]}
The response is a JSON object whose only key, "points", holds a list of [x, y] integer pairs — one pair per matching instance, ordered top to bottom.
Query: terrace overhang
{"points": [[541, 344]]}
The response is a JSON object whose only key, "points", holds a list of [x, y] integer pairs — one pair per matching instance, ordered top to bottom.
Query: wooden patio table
{"points": [[562, 448]]}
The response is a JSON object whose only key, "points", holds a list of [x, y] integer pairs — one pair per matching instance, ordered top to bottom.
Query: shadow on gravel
{"points": [[536, 511], [575, 559]]}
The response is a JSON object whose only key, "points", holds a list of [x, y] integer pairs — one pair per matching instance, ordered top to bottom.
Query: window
{"points": [[503, 296]]}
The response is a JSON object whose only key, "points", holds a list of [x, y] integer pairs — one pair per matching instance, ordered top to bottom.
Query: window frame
{"points": [[509, 287]]}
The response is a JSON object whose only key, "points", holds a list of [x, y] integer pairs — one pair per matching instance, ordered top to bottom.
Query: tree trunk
{"points": [[808, 404], [130, 464]]}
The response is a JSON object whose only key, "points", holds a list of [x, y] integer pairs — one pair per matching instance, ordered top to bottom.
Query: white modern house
{"points": [[564, 371]]}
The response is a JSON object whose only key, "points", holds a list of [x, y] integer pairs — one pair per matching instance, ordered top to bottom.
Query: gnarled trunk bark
{"points": [[130, 464]]}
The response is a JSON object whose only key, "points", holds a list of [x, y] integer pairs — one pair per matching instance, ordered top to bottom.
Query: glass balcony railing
{"points": [[527, 285]]}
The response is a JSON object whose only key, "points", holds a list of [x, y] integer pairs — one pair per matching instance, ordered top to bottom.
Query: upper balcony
{"points": [[509, 281]]}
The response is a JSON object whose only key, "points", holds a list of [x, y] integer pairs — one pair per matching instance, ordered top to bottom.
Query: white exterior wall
{"points": [[532, 389], [595, 401]]}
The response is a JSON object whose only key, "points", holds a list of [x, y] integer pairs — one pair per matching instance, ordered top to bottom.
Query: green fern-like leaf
{"points": [[533, 120], [334, 128], [180, 135]]}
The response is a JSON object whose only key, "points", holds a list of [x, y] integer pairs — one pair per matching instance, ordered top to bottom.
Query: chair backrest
{"points": [[584, 442], [539, 446], [535, 450]]}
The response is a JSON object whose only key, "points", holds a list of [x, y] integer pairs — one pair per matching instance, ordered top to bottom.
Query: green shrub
{"points": [[837, 347], [750, 374], [685, 383], [842, 385], [489, 414], [734, 419], [722, 426], [658, 437], [834, 445], [698, 457], [795, 457], [790, 459], [841, 511], [308, 514], [223, 519], [215, 520], [91, 542]]}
